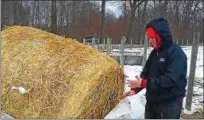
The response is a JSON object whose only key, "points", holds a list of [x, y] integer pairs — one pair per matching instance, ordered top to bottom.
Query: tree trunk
{"points": [[154, 7], [165, 9], [125, 10], [3, 11], [16, 12], [34, 13], [38, 14], [53, 17], [188, 18], [73, 19], [67, 20], [176, 20], [102, 21], [144, 21], [131, 23], [138, 30]]}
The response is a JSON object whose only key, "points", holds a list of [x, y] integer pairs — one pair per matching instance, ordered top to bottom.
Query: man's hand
{"points": [[134, 83], [129, 93]]}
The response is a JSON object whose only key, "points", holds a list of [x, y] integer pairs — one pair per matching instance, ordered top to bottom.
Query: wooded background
{"points": [[76, 19]]}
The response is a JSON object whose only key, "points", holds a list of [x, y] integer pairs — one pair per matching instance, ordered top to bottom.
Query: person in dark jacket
{"points": [[164, 74]]}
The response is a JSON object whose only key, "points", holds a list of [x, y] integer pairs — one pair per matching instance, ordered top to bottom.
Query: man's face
{"points": [[152, 41]]}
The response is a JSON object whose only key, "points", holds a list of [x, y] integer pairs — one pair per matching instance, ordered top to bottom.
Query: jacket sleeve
{"points": [[175, 67], [144, 73], [143, 85], [137, 90]]}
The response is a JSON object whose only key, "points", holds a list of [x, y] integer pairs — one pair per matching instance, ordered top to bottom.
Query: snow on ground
{"points": [[187, 50], [131, 51], [199, 63], [132, 71], [197, 102]]}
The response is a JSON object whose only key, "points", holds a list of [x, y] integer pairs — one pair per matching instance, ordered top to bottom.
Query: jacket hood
{"points": [[161, 26]]}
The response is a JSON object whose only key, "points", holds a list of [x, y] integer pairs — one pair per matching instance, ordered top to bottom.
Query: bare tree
{"points": [[68, 5], [133, 5], [165, 8], [17, 12], [125, 15], [53, 17], [4, 18], [73, 18], [77, 18], [187, 18], [102, 20], [176, 20], [144, 21], [137, 26]]}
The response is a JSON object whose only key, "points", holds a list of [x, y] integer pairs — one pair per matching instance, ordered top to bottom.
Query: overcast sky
{"points": [[110, 5], [114, 6]]}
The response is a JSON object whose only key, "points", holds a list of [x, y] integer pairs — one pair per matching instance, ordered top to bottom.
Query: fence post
{"points": [[196, 37], [123, 40], [84, 41], [140, 41], [95, 42], [187, 42], [98, 43], [104, 44], [131, 44], [108, 45], [111, 45], [145, 52]]}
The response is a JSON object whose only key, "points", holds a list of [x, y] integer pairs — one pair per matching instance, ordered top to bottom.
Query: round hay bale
{"points": [[48, 76]]}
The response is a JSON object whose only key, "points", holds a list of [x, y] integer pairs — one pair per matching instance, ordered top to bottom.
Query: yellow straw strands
{"points": [[48, 76]]}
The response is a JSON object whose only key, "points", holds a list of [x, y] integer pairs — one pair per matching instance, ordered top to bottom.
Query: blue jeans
{"points": [[168, 110]]}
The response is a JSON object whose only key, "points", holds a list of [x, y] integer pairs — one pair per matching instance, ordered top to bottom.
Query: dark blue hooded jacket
{"points": [[165, 70]]}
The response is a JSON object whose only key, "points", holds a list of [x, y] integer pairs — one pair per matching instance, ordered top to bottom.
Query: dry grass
{"points": [[65, 78]]}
